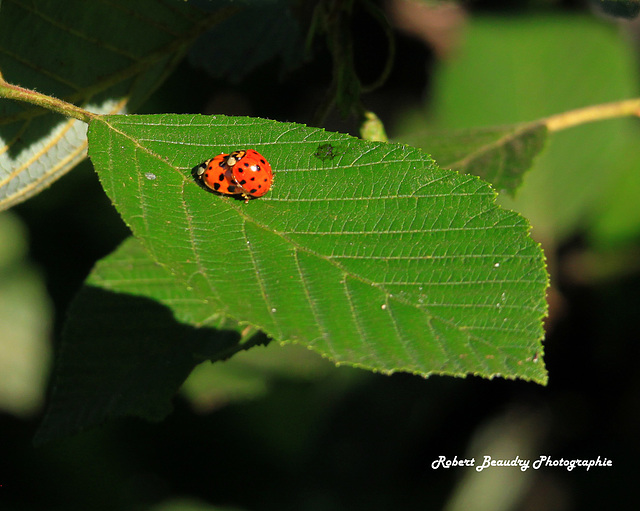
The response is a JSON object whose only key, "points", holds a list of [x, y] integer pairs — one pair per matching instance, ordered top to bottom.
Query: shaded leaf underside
{"points": [[133, 336]]}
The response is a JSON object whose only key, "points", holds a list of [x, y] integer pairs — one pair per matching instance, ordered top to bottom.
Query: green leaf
{"points": [[105, 56], [514, 69], [500, 155], [364, 251], [129, 343]]}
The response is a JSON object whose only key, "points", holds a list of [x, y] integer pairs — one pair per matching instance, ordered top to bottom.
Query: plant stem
{"points": [[10, 91], [593, 113]]}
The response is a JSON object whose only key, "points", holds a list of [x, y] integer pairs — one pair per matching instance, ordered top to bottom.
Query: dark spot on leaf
{"points": [[325, 152]]}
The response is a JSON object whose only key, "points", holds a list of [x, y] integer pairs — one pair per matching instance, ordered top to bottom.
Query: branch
{"points": [[592, 113]]}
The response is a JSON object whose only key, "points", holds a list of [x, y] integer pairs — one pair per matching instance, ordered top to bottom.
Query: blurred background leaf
{"points": [[619, 8], [237, 49], [109, 58], [542, 65], [500, 155], [25, 323], [251, 374], [190, 505]]}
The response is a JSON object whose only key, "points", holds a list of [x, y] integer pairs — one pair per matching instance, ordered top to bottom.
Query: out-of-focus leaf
{"points": [[619, 8], [234, 49], [105, 56], [518, 69], [372, 128], [500, 155], [25, 321], [250, 374], [187, 504]]}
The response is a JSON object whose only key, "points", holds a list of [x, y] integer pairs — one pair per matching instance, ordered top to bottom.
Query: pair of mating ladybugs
{"points": [[246, 173]]}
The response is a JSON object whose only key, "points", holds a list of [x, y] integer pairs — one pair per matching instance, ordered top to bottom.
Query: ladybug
{"points": [[244, 172]]}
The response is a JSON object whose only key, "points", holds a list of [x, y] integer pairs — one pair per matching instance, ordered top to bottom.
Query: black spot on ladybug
{"points": [[325, 152], [263, 162], [240, 171], [221, 177], [253, 178], [243, 182], [216, 186], [232, 189], [253, 190]]}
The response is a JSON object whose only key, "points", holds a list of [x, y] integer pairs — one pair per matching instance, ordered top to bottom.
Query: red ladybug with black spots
{"points": [[244, 172]]}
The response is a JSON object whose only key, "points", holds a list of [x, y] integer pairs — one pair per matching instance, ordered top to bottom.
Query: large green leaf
{"points": [[105, 56], [364, 251]]}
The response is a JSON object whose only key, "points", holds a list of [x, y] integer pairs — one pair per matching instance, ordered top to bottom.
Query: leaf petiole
{"points": [[18, 93]]}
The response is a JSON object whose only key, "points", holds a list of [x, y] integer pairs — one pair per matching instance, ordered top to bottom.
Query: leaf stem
{"points": [[18, 93], [592, 113]]}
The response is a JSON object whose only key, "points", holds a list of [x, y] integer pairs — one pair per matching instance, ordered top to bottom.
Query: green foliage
{"points": [[620, 8], [233, 50], [106, 57], [540, 66], [501, 155], [366, 252], [361, 256], [405, 268], [132, 338]]}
